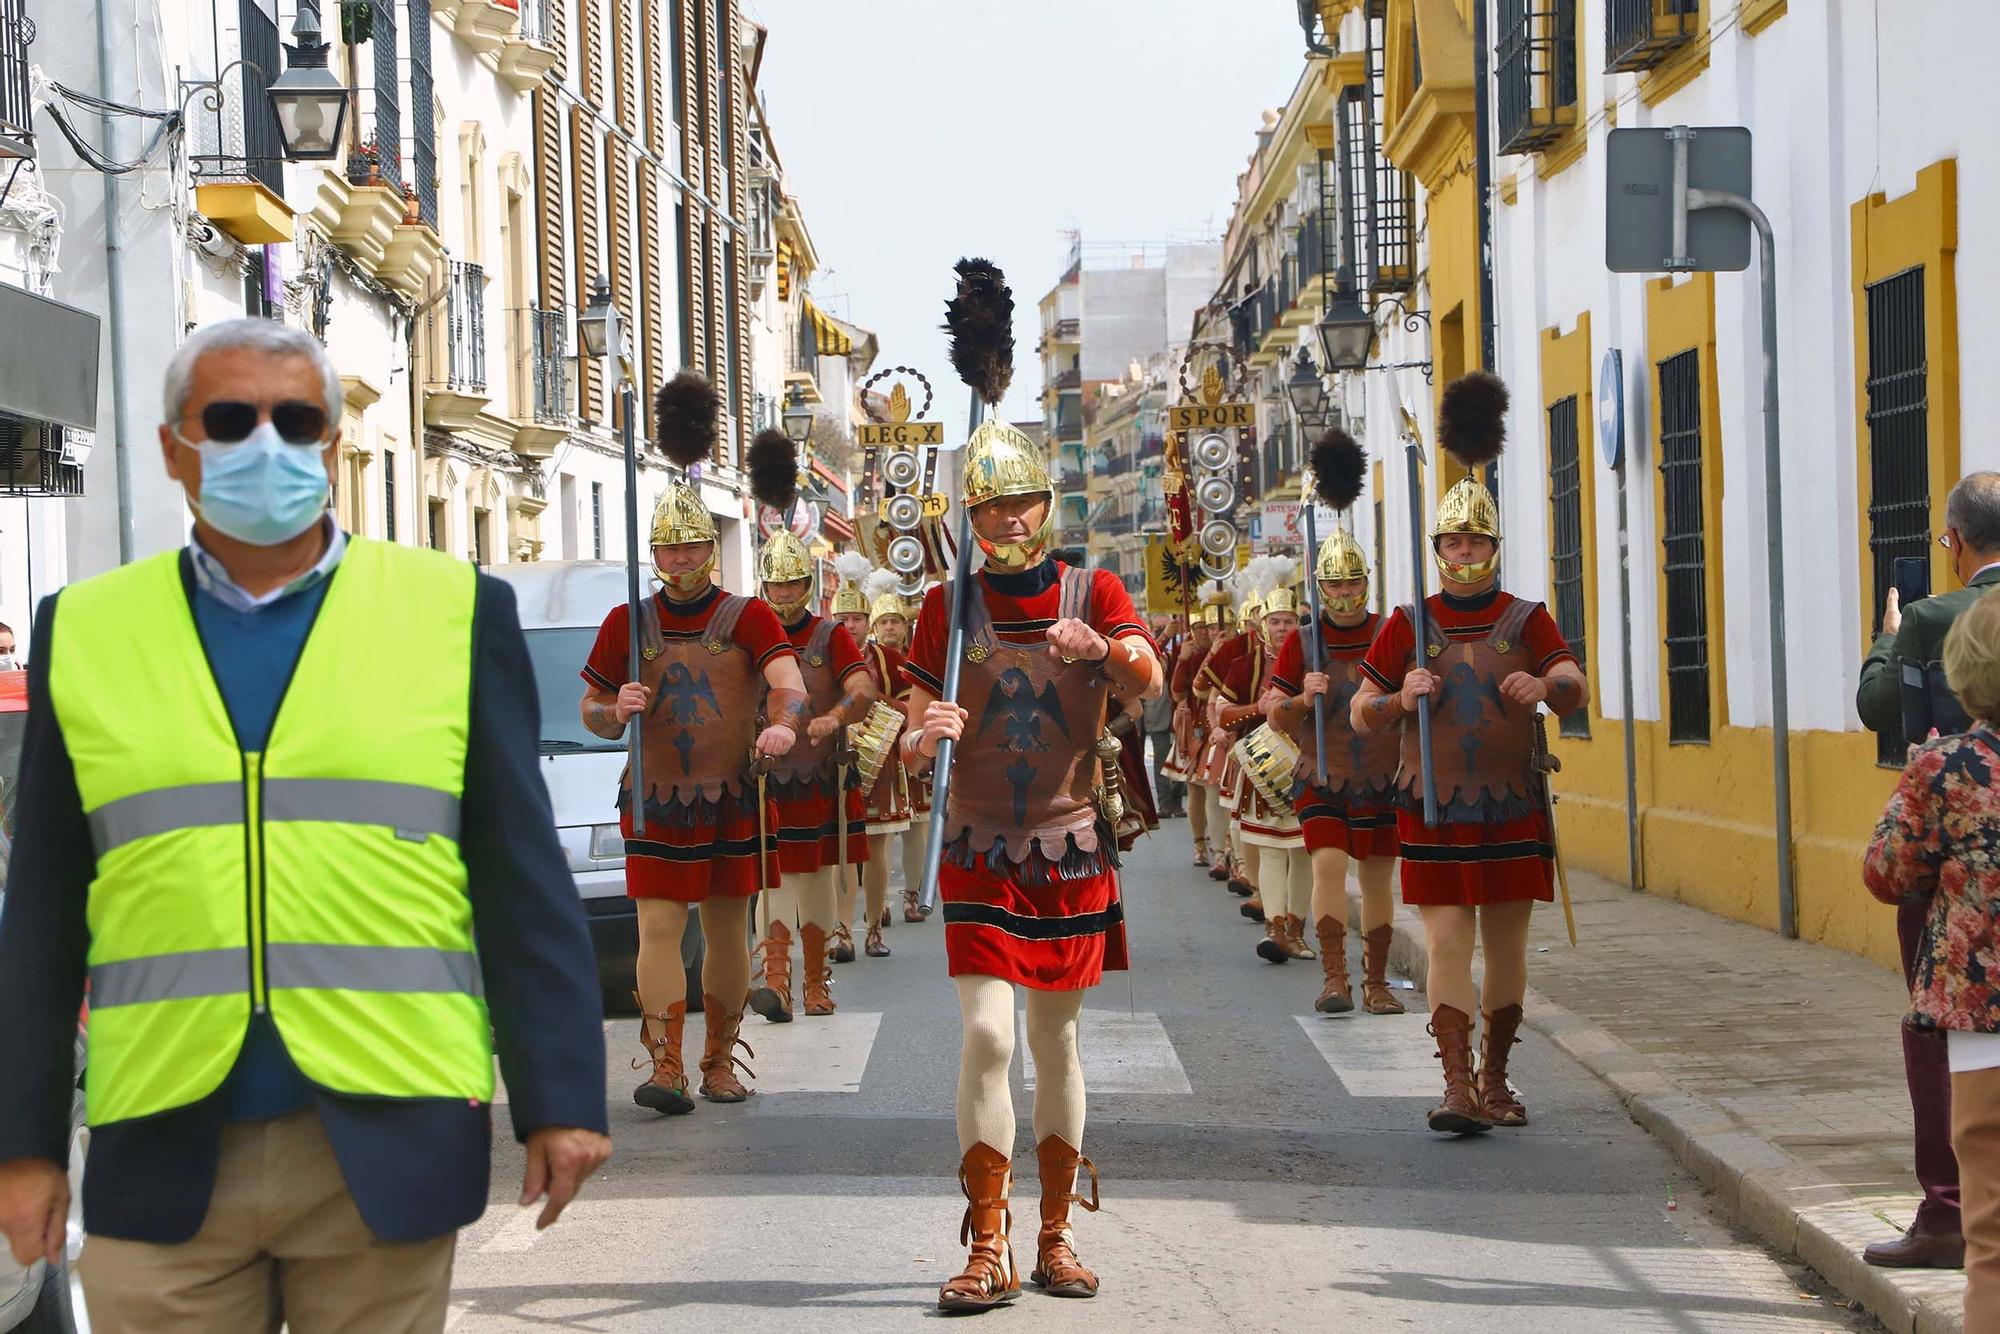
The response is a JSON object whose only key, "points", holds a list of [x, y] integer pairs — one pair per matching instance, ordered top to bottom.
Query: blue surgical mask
{"points": [[261, 490]]}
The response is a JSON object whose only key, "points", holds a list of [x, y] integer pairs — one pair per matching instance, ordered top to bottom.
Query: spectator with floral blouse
{"points": [[1939, 842]]}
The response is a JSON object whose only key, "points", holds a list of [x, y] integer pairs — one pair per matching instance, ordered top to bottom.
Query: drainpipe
{"points": [[1482, 135], [114, 277]]}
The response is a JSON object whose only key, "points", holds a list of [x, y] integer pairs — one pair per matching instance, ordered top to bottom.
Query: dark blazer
{"points": [[1879, 700], [417, 1169]]}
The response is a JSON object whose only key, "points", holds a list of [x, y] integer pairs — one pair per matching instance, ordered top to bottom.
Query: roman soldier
{"points": [[881, 624], [707, 659], [1487, 661], [1234, 677], [1190, 722], [814, 812], [1351, 816], [1284, 872], [1030, 892], [914, 909]]}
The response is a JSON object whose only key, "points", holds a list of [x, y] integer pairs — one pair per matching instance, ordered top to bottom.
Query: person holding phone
{"points": [[1911, 646]]}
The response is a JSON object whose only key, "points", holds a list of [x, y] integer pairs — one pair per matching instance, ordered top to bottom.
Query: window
{"points": [[1640, 34], [676, 55], [1536, 73], [423, 114], [382, 141], [263, 150], [1392, 201], [686, 283], [1898, 418], [389, 495], [436, 517], [597, 520], [1685, 548], [481, 552], [1567, 553]]}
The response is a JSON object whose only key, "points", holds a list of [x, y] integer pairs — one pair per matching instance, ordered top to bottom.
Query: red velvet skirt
{"points": [[1360, 826], [806, 828], [691, 854], [1470, 865], [1062, 936]]}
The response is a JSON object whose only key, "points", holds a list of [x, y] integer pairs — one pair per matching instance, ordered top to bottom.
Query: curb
{"points": [[1787, 1203]]}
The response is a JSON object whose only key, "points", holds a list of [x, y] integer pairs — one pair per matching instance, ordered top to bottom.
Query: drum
{"points": [[873, 741], [1270, 760]]}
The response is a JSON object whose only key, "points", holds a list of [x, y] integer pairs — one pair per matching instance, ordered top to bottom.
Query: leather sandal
{"points": [[1252, 907], [910, 910], [1295, 938], [872, 945], [840, 948], [1271, 948], [818, 972], [1376, 996], [773, 999], [719, 1062], [666, 1091], [1498, 1102], [1459, 1113], [1057, 1270], [989, 1278]]}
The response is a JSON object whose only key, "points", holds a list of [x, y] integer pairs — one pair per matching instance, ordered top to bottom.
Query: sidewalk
{"points": [[1771, 1067]]}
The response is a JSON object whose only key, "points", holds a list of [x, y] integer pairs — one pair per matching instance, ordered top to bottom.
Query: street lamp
{"points": [[309, 102], [600, 329], [1346, 332], [1308, 392], [798, 419]]}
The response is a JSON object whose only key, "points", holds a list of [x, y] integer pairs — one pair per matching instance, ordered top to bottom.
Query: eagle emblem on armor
{"points": [[679, 696], [1020, 707]]}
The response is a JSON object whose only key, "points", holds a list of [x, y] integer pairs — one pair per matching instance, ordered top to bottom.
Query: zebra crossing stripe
{"points": [[1389, 1060]]}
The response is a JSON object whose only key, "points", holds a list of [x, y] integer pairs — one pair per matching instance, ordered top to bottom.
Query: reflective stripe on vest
{"points": [[319, 879]]}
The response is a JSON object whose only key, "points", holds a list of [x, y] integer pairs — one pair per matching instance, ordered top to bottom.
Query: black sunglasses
{"points": [[226, 422]]}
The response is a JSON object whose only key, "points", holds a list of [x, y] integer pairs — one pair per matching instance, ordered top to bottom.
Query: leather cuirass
{"points": [[697, 734], [1482, 743], [809, 760]]}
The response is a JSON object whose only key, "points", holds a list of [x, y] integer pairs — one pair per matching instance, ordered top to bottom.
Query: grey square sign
{"points": [[1639, 206]]}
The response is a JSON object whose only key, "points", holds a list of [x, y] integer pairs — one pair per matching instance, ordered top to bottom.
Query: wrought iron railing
{"points": [[535, 21], [1639, 34], [1536, 72], [423, 113], [17, 129], [377, 155], [1392, 205], [465, 326], [547, 343], [1899, 459], [34, 460], [1684, 548], [1567, 552]]}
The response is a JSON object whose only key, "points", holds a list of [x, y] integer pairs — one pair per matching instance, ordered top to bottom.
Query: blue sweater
{"points": [[253, 654]]}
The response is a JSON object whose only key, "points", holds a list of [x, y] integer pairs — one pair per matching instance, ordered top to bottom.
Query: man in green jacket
{"points": [[1915, 637]]}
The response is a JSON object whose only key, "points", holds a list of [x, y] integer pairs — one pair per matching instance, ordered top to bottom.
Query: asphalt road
{"points": [[1263, 1168]]}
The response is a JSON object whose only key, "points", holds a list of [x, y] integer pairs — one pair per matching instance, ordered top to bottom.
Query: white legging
{"points": [[1284, 882], [802, 898], [985, 1104]]}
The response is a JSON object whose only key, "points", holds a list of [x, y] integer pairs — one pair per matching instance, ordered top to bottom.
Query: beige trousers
{"points": [[283, 1243]]}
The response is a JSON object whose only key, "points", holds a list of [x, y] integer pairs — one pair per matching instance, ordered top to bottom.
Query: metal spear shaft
{"points": [[1420, 627], [1312, 641], [954, 655], [634, 741]]}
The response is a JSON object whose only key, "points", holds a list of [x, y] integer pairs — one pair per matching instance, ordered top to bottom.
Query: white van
{"points": [[562, 603]]}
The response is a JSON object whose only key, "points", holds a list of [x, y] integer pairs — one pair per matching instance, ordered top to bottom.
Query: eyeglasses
{"points": [[228, 422], [1944, 539]]}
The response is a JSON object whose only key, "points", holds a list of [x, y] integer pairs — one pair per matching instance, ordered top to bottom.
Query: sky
{"points": [[914, 132]]}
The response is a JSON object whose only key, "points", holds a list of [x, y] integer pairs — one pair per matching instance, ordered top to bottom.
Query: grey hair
{"points": [[255, 334], [1973, 507]]}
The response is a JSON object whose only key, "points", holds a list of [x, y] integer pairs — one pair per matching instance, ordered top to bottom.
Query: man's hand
{"points": [[1892, 612], [1074, 641], [1417, 683], [1314, 684], [1523, 688], [632, 698], [941, 720], [822, 727], [776, 740], [560, 1158], [34, 1209]]}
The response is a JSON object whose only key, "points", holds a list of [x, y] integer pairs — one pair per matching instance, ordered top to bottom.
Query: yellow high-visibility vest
{"points": [[318, 880]]}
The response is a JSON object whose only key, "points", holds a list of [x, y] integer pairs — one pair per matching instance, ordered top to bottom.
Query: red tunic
{"points": [[1237, 670], [1361, 824], [807, 827], [692, 849], [1468, 863], [1051, 927]]}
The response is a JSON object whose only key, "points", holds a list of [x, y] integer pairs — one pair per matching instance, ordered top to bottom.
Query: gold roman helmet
{"points": [[1001, 461], [1467, 508], [679, 516], [1341, 558], [784, 560], [850, 599], [1281, 600], [889, 604], [1249, 613]]}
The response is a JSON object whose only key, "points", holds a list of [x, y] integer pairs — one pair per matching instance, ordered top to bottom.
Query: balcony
{"points": [[483, 25], [1640, 34], [530, 50], [1536, 73], [17, 130], [1066, 331], [458, 391], [541, 397], [1111, 465]]}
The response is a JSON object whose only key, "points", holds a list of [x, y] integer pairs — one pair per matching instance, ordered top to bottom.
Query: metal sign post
{"points": [[1678, 200]]}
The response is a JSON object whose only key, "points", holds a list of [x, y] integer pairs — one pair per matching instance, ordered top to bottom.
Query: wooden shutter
{"points": [[555, 14], [592, 48], [624, 66], [739, 208], [618, 210], [584, 226], [694, 267], [551, 285], [652, 307]]}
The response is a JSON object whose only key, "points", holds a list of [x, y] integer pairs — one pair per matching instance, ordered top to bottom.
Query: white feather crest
{"points": [[851, 566], [1283, 571], [880, 582], [1212, 592]]}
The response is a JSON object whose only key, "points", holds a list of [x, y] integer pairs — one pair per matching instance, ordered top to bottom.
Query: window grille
{"points": [[17, 30], [1639, 34], [1536, 73], [423, 114], [381, 129], [263, 149], [1392, 207], [1899, 474], [388, 496], [597, 520], [1684, 546], [1567, 552]]}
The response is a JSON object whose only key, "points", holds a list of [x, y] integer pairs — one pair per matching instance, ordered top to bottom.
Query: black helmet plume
{"points": [[980, 320], [688, 415], [1472, 418], [773, 465], [1338, 465]]}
